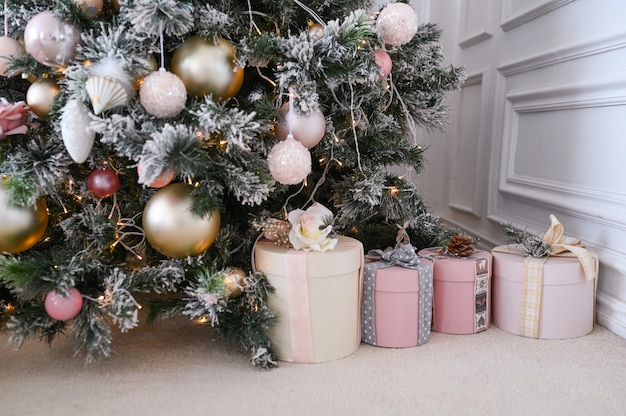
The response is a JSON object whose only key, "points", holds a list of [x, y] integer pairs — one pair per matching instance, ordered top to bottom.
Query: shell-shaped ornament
{"points": [[105, 93]]}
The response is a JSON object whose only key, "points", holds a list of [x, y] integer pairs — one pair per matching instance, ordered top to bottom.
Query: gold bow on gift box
{"points": [[532, 279]]}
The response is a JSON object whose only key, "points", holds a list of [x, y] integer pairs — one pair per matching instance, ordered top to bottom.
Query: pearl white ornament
{"points": [[397, 24], [163, 94], [308, 129], [78, 138], [289, 161]]}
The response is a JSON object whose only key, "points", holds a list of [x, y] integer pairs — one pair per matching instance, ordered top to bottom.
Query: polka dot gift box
{"points": [[396, 308]]}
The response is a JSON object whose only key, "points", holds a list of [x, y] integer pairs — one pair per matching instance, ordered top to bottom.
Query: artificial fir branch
{"points": [[220, 148]]}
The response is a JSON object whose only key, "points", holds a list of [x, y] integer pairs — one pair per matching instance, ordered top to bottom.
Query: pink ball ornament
{"points": [[397, 24], [50, 40], [9, 47], [384, 62], [163, 94], [308, 129], [289, 162], [162, 180], [103, 182], [63, 308]]}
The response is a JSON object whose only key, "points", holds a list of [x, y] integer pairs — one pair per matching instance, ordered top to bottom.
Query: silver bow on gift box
{"points": [[403, 256]]}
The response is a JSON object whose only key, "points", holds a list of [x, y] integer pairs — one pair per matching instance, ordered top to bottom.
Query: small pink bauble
{"points": [[397, 24], [50, 40], [9, 47], [384, 62], [163, 94], [308, 129], [289, 161], [162, 180], [103, 182], [63, 308]]}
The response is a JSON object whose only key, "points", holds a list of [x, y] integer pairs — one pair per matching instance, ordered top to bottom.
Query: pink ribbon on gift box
{"points": [[532, 279]]}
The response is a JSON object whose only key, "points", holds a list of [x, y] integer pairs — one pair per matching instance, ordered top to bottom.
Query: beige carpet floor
{"points": [[179, 368]]}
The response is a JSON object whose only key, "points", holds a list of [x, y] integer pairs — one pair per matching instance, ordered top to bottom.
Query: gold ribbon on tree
{"points": [[532, 279]]}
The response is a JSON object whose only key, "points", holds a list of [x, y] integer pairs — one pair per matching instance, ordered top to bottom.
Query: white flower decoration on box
{"points": [[312, 229]]}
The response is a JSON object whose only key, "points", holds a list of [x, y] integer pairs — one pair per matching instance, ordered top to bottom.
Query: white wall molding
{"points": [[513, 16], [475, 25], [587, 48], [465, 190], [595, 203], [611, 313]]}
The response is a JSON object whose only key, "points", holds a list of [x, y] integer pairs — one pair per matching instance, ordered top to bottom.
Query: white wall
{"points": [[539, 128]]}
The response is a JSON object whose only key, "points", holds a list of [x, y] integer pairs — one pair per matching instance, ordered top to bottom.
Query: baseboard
{"points": [[611, 313]]}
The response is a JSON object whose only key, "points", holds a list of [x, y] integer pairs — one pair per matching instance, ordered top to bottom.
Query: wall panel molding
{"points": [[517, 12], [475, 22], [589, 47], [468, 159], [591, 202]]}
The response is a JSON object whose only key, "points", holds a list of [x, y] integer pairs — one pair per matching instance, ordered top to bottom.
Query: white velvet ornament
{"points": [[397, 24], [163, 94], [308, 129], [77, 137], [289, 161]]}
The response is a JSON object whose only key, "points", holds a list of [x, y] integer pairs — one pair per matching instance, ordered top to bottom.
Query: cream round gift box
{"points": [[567, 298], [317, 299]]}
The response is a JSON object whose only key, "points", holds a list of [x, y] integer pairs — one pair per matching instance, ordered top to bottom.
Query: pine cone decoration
{"points": [[461, 245]]}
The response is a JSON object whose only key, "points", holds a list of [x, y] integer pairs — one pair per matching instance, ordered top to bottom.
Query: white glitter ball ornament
{"points": [[397, 24], [163, 94], [289, 161]]}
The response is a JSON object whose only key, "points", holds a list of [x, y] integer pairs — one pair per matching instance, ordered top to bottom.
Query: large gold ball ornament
{"points": [[208, 67], [40, 96], [20, 227], [172, 229], [235, 281]]}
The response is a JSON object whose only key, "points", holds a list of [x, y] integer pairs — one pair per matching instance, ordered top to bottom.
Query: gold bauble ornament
{"points": [[93, 8], [208, 67], [40, 96], [20, 227], [172, 229], [235, 281]]}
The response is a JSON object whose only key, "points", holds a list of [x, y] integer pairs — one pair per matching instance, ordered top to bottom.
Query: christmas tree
{"points": [[147, 143]]}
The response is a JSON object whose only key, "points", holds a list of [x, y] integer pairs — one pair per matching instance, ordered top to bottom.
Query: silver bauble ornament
{"points": [[50, 40], [208, 67], [40, 96], [308, 129], [20, 227], [172, 229]]}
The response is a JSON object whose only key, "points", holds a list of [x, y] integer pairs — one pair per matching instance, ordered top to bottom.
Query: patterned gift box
{"points": [[462, 291], [550, 297], [317, 299], [396, 310]]}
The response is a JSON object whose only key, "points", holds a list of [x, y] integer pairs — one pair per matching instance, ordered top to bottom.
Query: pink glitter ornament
{"points": [[397, 24], [163, 94], [289, 161], [63, 308]]}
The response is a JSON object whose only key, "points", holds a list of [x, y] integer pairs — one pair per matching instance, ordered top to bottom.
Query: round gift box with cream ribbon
{"points": [[317, 299]]}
